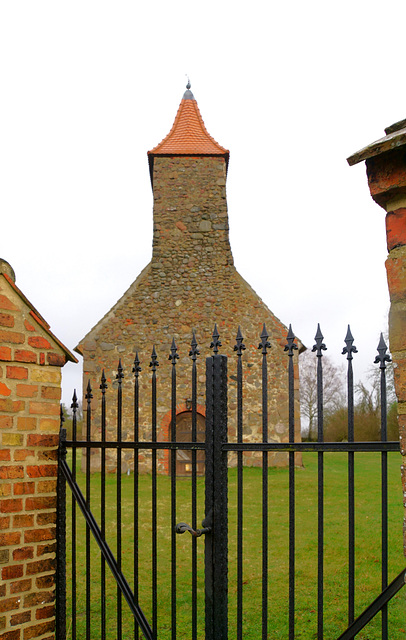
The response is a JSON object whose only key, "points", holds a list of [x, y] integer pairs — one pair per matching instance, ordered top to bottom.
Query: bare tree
{"points": [[374, 381], [333, 389], [368, 408]]}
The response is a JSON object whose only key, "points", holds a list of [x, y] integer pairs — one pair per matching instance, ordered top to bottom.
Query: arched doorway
{"points": [[184, 434]]}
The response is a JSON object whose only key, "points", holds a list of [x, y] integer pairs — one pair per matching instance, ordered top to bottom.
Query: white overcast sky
{"points": [[290, 88]]}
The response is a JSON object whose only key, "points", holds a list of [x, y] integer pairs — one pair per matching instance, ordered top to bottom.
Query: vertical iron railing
{"points": [[264, 345], [239, 348], [290, 348], [318, 348], [349, 349], [193, 353], [173, 357], [382, 358], [154, 364], [136, 372], [119, 378], [103, 388], [88, 397], [74, 407], [321, 447], [216, 448], [92, 525], [216, 542], [60, 595]]}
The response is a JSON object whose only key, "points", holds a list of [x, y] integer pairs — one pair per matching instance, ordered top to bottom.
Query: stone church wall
{"points": [[189, 285]]}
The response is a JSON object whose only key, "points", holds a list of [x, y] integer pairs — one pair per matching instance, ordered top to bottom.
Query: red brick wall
{"points": [[386, 178], [396, 272], [30, 391]]}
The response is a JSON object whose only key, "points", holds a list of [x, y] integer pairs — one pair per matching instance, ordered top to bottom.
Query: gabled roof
{"points": [[188, 136], [38, 318]]}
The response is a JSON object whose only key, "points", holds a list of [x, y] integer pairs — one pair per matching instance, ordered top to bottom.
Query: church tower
{"points": [[188, 174], [190, 285]]}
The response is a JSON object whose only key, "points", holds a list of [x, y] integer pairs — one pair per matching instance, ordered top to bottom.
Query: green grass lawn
{"points": [[367, 551]]}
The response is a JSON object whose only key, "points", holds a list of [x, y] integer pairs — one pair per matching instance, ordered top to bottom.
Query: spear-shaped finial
{"points": [[216, 341], [264, 344], [291, 345], [240, 346], [319, 346], [349, 349], [194, 351], [173, 356], [382, 356], [154, 360], [136, 367], [120, 372], [103, 385], [89, 394], [75, 403]]}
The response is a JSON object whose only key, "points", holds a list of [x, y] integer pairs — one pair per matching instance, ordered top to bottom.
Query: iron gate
{"points": [[90, 617]]}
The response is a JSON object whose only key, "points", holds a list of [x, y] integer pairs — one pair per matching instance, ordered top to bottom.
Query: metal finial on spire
{"points": [[188, 95]]}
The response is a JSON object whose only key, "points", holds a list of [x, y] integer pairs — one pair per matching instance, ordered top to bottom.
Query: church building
{"points": [[189, 286]]}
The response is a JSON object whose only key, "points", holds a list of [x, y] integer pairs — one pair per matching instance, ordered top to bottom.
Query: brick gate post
{"points": [[386, 172], [31, 358]]}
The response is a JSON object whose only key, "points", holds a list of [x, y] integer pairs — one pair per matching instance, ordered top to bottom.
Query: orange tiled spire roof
{"points": [[188, 135]]}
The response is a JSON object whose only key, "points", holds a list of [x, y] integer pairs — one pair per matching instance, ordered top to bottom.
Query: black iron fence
{"points": [[129, 574]]}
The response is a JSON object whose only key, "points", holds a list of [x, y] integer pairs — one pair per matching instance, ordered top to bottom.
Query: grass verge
{"points": [[367, 551]]}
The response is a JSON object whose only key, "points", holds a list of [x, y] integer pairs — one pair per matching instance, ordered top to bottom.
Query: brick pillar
{"points": [[386, 171], [396, 274], [30, 389]]}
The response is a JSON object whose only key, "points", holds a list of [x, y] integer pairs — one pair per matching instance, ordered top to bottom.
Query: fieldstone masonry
{"points": [[386, 171], [190, 284], [31, 358]]}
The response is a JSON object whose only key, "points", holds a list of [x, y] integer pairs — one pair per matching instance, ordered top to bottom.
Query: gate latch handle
{"points": [[181, 527]]}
